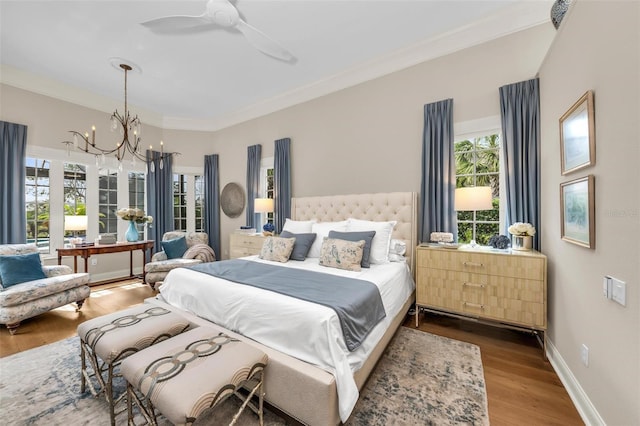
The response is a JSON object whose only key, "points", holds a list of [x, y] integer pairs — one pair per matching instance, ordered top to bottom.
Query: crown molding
{"points": [[518, 17], [45, 86]]}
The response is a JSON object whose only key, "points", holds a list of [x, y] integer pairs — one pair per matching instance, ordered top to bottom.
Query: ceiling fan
{"points": [[223, 14]]}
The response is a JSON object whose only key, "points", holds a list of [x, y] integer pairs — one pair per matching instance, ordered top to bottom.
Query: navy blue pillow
{"points": [[367, 236], [302, 245], [174, 249], [20, 268]]}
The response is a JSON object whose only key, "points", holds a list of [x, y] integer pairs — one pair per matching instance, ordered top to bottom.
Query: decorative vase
{"points": [[132, 232], [522, 242]]}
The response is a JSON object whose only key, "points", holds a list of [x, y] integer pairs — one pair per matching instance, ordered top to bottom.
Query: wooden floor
{"points": [[62, 322], [522, 388]]}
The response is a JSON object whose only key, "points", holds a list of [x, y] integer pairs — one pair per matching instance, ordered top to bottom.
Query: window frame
{"points": [[476, 129], [267, 185]]}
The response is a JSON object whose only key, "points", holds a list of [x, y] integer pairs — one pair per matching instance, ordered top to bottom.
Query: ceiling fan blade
{"points": [[177, 23], [264, 43]]}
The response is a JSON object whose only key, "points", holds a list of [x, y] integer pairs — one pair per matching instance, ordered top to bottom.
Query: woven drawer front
{"points": [[254, 242], [509, 265], [439, 288]]}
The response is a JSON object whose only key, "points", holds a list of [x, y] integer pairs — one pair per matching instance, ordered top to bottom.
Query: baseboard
{"points": [[112, 275], [586, 409]]}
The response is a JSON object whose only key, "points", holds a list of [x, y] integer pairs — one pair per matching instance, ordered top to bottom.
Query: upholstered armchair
{"points": [[180, 250], [46, 287]]}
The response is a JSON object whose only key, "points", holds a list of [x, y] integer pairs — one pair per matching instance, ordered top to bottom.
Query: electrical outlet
{"points": [[94, 261], [584, 354]]}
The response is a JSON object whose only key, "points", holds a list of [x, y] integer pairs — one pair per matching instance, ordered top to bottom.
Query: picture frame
{"points": [[578, 135], [577, 211]]}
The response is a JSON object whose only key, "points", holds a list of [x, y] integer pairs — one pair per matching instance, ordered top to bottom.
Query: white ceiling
{"points": [[212, 79]]}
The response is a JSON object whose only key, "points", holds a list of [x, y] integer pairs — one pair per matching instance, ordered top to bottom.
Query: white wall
{"points": [[597, 48], [366, 138]]}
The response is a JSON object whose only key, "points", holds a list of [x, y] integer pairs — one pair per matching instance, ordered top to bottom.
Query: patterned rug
{"points": [[421, 379]]}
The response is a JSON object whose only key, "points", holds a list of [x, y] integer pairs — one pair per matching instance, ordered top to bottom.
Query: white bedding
{"points": [[295, 327]]}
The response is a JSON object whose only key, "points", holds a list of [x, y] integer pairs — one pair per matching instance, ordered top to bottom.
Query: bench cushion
{"points": [[117, 335], [191, 372]]}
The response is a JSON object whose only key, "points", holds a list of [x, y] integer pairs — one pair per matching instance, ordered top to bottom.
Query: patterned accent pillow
{"points": [[277, 249], [341, 254]]}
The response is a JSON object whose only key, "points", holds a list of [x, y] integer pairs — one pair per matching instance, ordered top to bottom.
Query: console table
{"points": [[86, 252]]}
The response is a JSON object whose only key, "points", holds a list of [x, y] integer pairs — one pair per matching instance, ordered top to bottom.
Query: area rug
{"points": [[420, 379]]}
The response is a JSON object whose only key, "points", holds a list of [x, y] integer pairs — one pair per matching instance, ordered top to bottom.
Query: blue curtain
{"points": [[520, 114], [13, 145], [254, 154], [438, 171], [282, 182], [159, 196], [212, 202]]}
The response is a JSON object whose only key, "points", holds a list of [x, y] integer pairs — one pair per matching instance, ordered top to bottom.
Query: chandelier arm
{"points": [[127, 123]]}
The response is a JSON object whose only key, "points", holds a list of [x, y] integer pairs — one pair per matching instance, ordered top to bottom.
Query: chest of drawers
{"points": [[241, 245], [504, 287]]}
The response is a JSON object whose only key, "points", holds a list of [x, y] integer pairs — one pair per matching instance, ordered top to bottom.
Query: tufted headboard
{"points": [[399, 206]]}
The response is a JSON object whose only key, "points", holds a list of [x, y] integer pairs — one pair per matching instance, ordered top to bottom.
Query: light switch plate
{"points": [[619, 291]]}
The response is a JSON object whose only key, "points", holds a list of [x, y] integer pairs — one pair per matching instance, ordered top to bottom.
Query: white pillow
{"points": [[298, 226], [321, 230], [382, 239], [397, 250]]}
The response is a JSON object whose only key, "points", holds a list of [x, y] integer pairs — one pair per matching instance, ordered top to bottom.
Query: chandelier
{"points": [[130, 129]]}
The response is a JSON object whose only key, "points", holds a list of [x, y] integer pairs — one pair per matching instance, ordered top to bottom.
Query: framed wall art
{"points": [[578, 136], [577, 214]]}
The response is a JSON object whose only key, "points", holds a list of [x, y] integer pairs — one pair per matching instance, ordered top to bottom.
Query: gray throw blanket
{"points": [[357, 303]]}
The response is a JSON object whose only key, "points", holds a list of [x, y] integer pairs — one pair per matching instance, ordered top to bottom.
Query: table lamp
{"points": [[473, 198], [264, 205], [75, 224]]}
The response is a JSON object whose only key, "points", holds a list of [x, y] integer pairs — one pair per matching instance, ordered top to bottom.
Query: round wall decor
{"points": [[232, 200]]}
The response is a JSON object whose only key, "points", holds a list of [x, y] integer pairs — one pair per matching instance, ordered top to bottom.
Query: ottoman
{"points": [[107, 340], [190, 373]]}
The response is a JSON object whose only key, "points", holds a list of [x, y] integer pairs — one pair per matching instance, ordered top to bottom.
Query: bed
{"points": [[311, 376]]}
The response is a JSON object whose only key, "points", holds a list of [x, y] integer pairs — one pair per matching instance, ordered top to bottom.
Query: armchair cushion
{"points": [[175, 248], [20, 268], [33, 290]]}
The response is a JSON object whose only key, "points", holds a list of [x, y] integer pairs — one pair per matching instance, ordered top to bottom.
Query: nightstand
{"points": [[241, 245], [503, 288]]}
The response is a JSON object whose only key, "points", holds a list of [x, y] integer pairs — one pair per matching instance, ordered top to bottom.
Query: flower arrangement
{"points": [[135, 215], [522, 229]]}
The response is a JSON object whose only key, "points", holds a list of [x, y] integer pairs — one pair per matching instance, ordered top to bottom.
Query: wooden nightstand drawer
{"points": [[245, 245], [530, 266], [439, 288]]}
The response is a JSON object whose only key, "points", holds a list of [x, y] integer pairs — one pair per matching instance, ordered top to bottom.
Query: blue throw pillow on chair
{"points": [[174, 249], [20, 268]]}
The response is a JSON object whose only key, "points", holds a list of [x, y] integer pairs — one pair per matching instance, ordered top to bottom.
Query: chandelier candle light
{"points": [[128, 125], [522, 236]]}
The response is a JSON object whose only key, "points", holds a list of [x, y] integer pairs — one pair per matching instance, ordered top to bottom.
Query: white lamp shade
{"points": [[473, 198], [263, 205], [75, 223]]}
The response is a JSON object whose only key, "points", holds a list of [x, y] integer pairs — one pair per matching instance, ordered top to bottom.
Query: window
{"points": [[478, 164], [266, 184], [136, 196], [37, 202], [108, 202], [180, 202], [199, 202]]}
